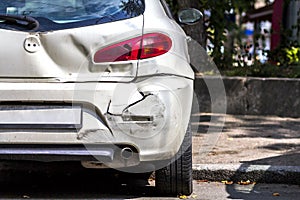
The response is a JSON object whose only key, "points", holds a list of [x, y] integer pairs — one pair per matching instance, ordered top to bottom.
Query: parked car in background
{"points": [[107, 83]]}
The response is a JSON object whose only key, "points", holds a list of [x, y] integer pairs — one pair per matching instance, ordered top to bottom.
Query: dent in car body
{"points": [[66, 55]]}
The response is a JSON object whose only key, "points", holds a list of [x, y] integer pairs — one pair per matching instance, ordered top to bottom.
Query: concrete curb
{"points": [[251, 95], [244, 172]]}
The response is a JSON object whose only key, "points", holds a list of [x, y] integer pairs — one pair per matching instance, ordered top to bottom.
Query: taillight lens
{"points": [[147, 46]]}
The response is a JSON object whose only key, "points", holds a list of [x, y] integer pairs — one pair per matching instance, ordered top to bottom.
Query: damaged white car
{"points": [[104, 82]]}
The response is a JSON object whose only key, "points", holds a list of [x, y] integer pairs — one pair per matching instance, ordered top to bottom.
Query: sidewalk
{"points": [[255, 148]]}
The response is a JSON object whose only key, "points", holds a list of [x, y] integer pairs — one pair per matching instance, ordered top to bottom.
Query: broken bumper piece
{"points": [[141, 121]]}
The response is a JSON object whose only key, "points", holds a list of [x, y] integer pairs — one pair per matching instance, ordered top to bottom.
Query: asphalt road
{"points": [[242, 141], [30, 181]]}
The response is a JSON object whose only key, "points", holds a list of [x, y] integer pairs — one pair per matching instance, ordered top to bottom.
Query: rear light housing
{"points": [[147, 46]]}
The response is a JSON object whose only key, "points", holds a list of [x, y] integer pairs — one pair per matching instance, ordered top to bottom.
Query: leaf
{"points": [[202, 181], [227, 182], [245, 182], [276, 194], [183, 197]]}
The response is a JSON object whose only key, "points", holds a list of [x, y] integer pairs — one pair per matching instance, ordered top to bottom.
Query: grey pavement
{"points": [[263, 149]]}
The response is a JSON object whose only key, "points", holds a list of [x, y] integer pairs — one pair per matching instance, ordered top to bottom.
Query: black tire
{"points": [[176, 178]]}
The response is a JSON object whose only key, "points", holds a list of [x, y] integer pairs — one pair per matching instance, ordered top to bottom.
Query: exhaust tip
{"points": [[126, 153]]}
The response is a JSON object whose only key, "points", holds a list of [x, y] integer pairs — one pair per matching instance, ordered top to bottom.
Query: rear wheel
{"points": [[176, 178]]}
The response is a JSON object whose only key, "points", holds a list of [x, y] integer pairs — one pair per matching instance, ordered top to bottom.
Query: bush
{"points": [[264, 70]]}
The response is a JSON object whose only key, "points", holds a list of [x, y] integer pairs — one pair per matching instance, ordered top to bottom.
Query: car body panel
{"points": [[66, 55], [177, 60]]}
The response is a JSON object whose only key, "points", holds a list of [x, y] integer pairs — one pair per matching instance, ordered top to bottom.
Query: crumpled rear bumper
{"points": [[146, 120]]}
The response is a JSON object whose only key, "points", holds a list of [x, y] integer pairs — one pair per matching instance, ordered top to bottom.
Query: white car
{"points": [[104, 82]]}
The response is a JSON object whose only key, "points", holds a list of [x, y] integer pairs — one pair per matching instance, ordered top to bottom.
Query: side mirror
{"points": [[189, 16]]}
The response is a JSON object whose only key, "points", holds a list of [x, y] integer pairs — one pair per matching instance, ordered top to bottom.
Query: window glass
{"points": [[72, 11]]}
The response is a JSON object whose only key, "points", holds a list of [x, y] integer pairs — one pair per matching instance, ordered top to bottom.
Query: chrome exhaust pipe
{"points": [[126, 153]]}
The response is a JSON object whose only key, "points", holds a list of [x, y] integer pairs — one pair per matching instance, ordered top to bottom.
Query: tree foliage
{"points": [[219, 28], [222, 34]]}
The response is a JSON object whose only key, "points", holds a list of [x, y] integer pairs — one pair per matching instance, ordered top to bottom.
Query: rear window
{"points": [[62, 14]]}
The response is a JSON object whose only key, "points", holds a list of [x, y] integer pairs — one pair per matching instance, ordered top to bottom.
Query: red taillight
{"points": [[147, 46]]}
